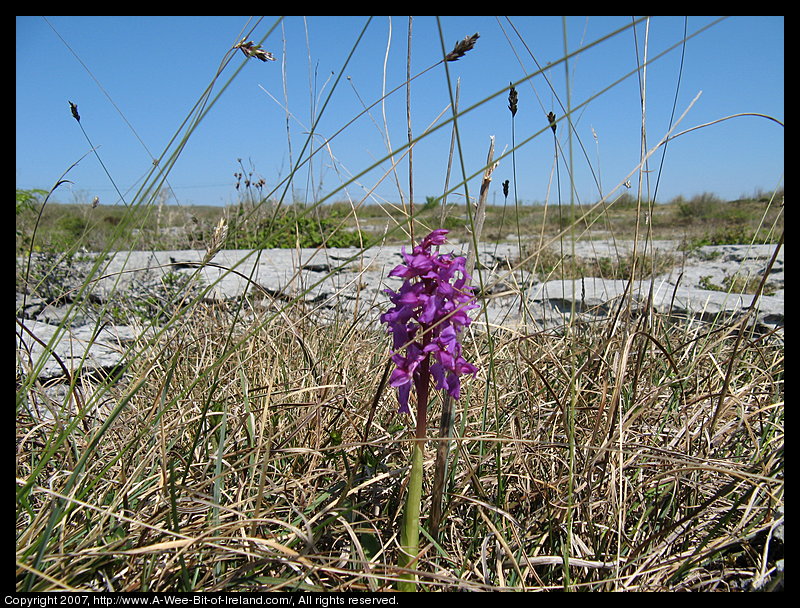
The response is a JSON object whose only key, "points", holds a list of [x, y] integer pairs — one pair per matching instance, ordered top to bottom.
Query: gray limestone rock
{"points": [[332, 281]]}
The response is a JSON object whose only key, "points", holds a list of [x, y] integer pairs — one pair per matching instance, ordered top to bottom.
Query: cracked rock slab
{"points": [[336, 279]]}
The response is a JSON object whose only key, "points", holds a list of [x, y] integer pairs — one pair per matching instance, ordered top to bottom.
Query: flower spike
{"points": [[429, 313]]}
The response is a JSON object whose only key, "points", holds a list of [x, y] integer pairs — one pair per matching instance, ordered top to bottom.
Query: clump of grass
{"points": [[700, 207], [288, 228], [548, 264], [737, 284], [250, 446], [259, 454]]}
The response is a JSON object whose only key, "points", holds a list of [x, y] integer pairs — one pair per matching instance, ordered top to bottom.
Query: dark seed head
{"points": [[461, 47], [512, 100], [74, 109], [552, 119]]}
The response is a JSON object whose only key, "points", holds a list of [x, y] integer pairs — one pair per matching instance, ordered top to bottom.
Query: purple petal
{"points": [[437, 237], [438, 373], [400, 377], [454, 386], [402, 397]]}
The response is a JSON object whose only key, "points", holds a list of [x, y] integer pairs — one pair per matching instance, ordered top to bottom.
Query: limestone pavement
{"points": [[329, 281]]}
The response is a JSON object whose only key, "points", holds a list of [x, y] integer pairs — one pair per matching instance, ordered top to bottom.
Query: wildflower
{"points": [[430, 310]]}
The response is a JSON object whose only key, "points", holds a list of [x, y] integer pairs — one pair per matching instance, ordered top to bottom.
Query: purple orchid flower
{"points": [[430, 310]]}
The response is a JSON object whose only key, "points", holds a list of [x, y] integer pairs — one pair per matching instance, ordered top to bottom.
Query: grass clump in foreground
{"points": [[250, 446], [257, 455]]}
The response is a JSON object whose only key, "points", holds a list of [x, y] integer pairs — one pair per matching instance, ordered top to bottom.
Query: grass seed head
{"points": [[461, 47], [250, 49], [512, 100], [74, 109], [551, 118], [217, 240]]}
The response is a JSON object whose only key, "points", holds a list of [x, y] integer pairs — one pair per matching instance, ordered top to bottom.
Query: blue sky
{"points": [[155, 69]]}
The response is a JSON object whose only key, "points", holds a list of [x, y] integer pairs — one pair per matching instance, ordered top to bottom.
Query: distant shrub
{"points": [[28, 199], [626, 201], [431, 202], [701, 206], [26, 208], [72, 225], [71, 229], [287, 231], [736, 235]]}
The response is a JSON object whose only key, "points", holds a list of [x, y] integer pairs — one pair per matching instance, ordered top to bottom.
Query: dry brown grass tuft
{"points": [[249, 457]]}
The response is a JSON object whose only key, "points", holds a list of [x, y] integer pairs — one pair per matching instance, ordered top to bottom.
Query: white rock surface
{"points": [[327, 279]]}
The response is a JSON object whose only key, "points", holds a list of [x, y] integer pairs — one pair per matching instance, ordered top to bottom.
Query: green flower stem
{"points": [[409, 535]]}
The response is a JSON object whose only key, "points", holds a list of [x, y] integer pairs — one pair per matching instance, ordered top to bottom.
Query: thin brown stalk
{"points": [[446, 424]]}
